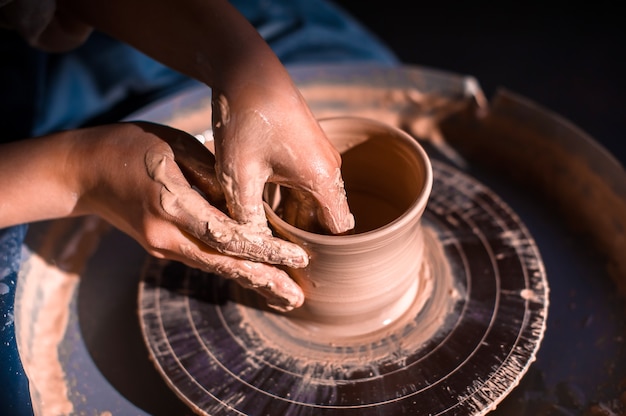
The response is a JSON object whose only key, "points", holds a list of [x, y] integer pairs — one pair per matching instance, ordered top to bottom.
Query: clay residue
{"points": [[411, 109], [416, 111], [558, 163], [245, 241], [251, 241], [48, 280], [436, 298], [42, 316]]}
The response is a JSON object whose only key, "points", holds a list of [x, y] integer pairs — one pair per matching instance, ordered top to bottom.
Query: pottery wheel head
{"points": [[459, 350]]}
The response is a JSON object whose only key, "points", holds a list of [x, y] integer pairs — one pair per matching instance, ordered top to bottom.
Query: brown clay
{"points": [[361, 282]]}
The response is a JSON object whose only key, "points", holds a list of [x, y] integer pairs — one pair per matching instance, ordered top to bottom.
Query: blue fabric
{"points": [[309, 31], [96, 80], [104, 80], [83, 87], [14, 393]]}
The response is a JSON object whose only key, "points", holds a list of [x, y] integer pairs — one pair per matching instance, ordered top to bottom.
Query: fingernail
{"points": [[341, 223], [347, 224], [295, 257], [289, 298], [280, 306]]}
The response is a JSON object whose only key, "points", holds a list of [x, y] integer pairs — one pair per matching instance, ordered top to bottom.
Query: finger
{"points": [[195, 161], [318, 181], [243, 189], [328, 196], [189, 211], [300, 211], [333, 211], [211, 226], [250, 242], [279, 290]]}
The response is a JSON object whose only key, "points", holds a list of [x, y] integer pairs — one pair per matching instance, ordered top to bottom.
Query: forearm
{"points": [[208, 40], [98, 170], [38, 180]]}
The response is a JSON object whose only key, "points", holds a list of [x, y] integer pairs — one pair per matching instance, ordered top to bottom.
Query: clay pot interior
{"points": [[362, 281]]}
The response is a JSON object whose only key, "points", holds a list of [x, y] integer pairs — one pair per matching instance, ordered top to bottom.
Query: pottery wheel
{"points": [[223, 352]]}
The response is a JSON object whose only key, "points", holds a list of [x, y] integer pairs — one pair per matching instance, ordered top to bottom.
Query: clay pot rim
{"points": [[414, 210]]}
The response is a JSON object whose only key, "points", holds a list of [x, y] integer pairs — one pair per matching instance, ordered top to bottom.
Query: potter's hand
{"points": [[263, 129], [264, 132], [137, 177], [181, 225]]}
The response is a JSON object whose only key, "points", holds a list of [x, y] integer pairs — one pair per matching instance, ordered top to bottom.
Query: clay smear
{"points": [[419, 112], [47, 284], [40, 326], [308, 343]]}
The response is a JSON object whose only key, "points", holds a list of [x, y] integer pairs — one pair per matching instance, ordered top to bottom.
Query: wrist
{"points": [[43, 184]]}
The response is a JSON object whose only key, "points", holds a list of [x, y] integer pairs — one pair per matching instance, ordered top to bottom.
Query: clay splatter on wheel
{"points": [[223, 352]]}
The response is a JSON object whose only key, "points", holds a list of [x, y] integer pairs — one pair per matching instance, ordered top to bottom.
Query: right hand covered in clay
{"points": [[266, 133], [139, 177]]}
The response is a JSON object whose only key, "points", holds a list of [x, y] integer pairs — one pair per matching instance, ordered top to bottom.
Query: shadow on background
{"points": [[571, 60]]}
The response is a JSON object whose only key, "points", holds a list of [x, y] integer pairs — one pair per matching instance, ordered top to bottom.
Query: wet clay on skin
{"points": [[244, 166], [229, 237], [359, 283]]}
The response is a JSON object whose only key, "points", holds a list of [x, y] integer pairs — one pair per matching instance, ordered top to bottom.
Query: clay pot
{"points": [[360, 282]]}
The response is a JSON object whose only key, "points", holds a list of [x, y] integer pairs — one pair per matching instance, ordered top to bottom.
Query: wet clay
{"points": [[48, 281], [359, 283], [47, 295], [421, 319], [466, 340]]}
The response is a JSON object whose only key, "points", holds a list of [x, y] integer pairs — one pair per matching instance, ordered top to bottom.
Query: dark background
{"points": [[569, 59]]}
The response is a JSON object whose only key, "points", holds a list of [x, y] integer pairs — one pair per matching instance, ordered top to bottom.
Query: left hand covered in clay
{"points": [[264, 132], [139, 177]]}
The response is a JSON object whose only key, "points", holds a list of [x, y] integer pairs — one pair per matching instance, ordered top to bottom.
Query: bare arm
{"points": [[208, 40], [38, 180]]}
